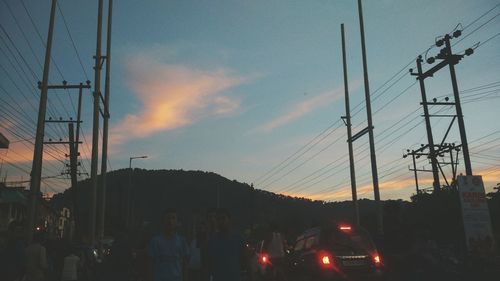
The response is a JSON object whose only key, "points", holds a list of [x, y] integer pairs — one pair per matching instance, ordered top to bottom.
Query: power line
{"points": [[480, 17], [476, 29], [23, 34], [487, 40], [72, 41], [381, 149], [295, 153], [307, 160], [331, 187]]}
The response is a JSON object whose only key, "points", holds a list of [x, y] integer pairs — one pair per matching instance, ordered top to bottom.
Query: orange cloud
{"points": [[173, 96], [303, 108]]}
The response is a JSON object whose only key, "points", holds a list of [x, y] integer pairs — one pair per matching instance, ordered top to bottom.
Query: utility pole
{"points": [[447, 58], [458, 106], [95, 127], [349, 132], [73, 144], [440, 150], [415, 154], [432, 155], [373, 157], [73, 159], [104, 163], [36, 171], [415, 171], [128, 197]]}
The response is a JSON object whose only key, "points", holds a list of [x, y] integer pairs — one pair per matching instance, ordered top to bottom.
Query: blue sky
{"points": [[236, 87]]}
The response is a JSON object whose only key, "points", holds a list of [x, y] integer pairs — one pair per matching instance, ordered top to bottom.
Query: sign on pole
{"points": [[475, 214]]}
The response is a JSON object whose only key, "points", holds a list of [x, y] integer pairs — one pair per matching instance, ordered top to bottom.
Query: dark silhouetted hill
{"points": [[193, 192]]}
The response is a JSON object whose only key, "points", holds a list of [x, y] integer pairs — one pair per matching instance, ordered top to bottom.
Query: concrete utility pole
{"points": [[448, 58], [458, 106], [95, 129], [349, 132], [73, 144], [415, 154], [432, 154], [373, 157], [73, 159], [104, 163], [36, 171], [415, 172]]}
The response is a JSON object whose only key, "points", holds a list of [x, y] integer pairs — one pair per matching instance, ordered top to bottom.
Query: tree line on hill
{"points": [[253, 211]]}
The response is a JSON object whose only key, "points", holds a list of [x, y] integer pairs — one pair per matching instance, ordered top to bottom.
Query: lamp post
{"points": [[128, 209]]}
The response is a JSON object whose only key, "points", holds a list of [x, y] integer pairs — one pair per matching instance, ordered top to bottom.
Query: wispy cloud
{"points": [[173, 96], [301, 109]]}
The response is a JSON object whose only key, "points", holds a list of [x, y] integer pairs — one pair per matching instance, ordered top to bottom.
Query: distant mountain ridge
{"points": [[193, 192]]}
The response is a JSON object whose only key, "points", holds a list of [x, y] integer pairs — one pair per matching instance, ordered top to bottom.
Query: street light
{"points": [[135, 157], [128, 213]]}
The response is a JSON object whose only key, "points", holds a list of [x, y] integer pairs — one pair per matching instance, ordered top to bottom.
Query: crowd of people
{"points": [[214, 252], [43, 259]]}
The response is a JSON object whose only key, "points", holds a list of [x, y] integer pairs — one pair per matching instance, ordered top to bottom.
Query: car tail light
{"points": [[345, 228], [264, 259], [325, 259], [377, 260]]}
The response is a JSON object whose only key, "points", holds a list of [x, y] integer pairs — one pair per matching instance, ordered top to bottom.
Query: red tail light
{"points": [[345, 228], [264, 259], [325, 259], [377, 260]]}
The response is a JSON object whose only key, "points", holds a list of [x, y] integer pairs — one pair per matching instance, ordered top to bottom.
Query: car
{"points": [[335, 252]]}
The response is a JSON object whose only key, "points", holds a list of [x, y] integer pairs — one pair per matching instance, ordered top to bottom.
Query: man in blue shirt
{"points": [[169, 251], [225, 251]]}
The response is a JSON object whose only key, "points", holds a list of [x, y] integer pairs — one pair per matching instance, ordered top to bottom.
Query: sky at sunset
{"points": [[253, 90]]}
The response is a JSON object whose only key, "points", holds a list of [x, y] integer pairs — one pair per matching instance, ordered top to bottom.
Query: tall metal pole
{"points": [[458, 106], [95, 131], [349, 132], [104, 163], [36, 171], [435, 172], [380, 226]]}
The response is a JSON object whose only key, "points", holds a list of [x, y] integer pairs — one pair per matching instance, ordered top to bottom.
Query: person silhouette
{"points": [[169, 251]]}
